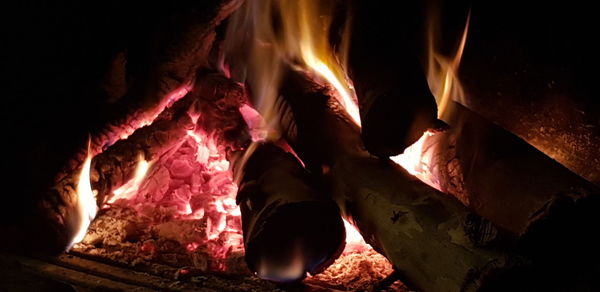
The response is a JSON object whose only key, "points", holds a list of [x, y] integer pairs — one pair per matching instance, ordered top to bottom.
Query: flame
{"points": [[301, 39], [307, 39], [441, 71], [444, 84], [130, 188], [86, 201], [354, 241]]}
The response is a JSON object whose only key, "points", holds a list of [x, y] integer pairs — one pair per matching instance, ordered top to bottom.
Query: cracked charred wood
{"points": [[156, 71], [219, 100], [396, 105], [116, 166], [516, 186], [290, 227], [434, 242]]}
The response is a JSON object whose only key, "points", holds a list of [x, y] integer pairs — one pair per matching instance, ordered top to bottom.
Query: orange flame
{"points": [[302, 39], [307, 39], [441, 71], [444, 84], [131, 187], [86, 201]]}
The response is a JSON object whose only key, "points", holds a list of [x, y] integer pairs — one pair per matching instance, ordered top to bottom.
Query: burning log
{"points": [[396, 105], [511, 183], [290, 227], [433, 240]]}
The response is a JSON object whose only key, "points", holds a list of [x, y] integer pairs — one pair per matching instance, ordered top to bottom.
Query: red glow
{"points": [[137, 120], [191, 182], [191, 247]]}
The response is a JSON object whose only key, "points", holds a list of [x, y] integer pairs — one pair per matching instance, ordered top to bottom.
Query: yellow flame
{"points": [[306, 29], [301, 40], [442, 71], [444, 84], [131, 187], [86, 201]]}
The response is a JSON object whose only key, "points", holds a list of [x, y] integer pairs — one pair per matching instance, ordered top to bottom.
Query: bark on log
{"points": [[519, 188], [290, 227], [432, 239]]}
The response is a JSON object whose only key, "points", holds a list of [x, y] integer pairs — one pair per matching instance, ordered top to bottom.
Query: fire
{"points": [[307, 40], [302, 42], [441, 71], [445, 85], [417, 160], [191, 183], [130, 188], [86, 201], [354, 241]]}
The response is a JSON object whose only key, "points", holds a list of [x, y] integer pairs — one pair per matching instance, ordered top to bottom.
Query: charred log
{"points": [[219, 100], [396, 105], [115, 166], [516, 186], [290, 227], [429, 237]]}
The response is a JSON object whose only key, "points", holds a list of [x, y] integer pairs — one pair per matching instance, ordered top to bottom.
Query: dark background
{"points": [[56, 56]]}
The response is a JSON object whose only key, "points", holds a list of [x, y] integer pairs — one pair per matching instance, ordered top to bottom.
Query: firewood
{"points": [[396, 105], [519, 188], [290, 227], [428, 236]]}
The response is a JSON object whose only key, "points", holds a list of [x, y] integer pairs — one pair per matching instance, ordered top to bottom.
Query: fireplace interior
{"points": [[232, 145]]}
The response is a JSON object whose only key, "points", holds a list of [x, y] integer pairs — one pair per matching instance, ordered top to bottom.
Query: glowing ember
{"points": [[417, 160], [192, 182], [86, 202], [359, 267]]}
